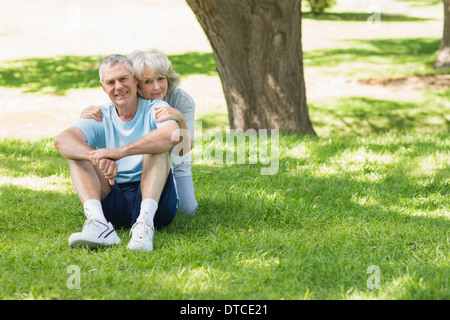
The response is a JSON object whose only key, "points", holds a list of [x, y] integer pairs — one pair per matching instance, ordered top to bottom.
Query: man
{"points": [[120, 166]]}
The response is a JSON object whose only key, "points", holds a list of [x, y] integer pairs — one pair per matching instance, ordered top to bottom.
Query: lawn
{"points": [[57, 75], [337, 206], [360, 212]]}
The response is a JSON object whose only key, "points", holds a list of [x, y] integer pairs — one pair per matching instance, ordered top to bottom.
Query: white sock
{"points": [[148, 206], [93, 210]]}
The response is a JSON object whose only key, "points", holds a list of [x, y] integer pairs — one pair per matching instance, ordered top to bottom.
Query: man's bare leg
{"points": [[155, 170], [88, 180], [91, 187]]}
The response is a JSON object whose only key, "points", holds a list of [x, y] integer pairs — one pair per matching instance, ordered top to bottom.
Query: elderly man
{"points": [[120, 167]]}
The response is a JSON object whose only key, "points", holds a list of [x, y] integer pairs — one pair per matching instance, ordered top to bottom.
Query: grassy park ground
{"points": [[359, 212]]}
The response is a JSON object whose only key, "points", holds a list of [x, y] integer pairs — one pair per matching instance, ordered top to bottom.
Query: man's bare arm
{"points": [[156, 142], [72, 144]]}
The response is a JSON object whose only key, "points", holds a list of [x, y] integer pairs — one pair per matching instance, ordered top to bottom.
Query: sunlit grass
{"points": [[337, 16], [377, 58], [356, 59], [57, 75], [363, 115], [371, 190], [335, 207]]}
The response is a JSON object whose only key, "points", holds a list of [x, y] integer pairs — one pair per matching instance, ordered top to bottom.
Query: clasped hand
{"points": [[105, 160]]}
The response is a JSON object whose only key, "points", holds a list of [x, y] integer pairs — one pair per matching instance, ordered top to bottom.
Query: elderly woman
{"points": [[158, 81]]}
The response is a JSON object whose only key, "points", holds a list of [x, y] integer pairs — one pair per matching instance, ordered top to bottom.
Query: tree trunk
{"points": [[258, 51], [443, 60]]}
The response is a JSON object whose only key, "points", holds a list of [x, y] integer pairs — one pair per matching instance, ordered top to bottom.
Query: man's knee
{"points": [[157, 157], [160, 161], [85, 176]]}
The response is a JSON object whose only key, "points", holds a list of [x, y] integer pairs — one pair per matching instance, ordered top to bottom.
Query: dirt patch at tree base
{"points": [[413, 82]]}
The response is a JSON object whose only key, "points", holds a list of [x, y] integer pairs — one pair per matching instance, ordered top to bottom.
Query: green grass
{"points": [[422, 3], [337, 16], [377, 58], [357, 59], [51, 75], [58, 75], [355, 116], [371, 190], [339, 204]]}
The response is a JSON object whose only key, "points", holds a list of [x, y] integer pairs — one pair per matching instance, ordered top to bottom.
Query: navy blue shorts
{"points": [[123, 204]]}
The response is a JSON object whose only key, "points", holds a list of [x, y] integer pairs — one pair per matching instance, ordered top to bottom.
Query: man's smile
{"points": [[122, 94]]}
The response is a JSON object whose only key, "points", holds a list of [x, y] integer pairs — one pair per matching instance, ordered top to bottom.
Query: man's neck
{"points": [[127, 113]]}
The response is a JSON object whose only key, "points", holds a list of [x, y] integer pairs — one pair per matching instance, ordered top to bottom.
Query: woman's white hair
{"points": [[158, 63]]}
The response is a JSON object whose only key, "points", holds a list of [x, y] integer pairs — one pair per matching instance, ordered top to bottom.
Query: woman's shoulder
{"points": [[179, 99]]}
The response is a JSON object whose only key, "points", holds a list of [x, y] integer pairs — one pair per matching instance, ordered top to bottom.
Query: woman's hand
{"points": [[92, 112], [168, 113]]}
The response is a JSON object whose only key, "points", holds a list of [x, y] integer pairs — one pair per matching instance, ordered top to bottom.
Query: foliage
{"points": [[319, 6]]}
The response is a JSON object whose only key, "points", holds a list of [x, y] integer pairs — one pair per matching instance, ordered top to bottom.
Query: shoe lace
{"points": [[88, 222], [93, 223], [142, 229]]}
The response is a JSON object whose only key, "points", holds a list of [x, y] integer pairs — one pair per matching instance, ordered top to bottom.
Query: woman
{"points": [[158, 81]]}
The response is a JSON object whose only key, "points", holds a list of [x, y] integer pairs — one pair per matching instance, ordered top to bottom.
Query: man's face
{"points": [[119, 84]]}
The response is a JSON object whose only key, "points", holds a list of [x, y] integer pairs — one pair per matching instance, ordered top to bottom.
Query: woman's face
{"points": [[153, 88]]}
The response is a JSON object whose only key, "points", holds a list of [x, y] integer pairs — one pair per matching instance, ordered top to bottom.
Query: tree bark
{"points": [[258, 51], [443, 60]]}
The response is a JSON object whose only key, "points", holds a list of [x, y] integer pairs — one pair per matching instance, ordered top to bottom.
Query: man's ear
{"points": [[102, 86]]}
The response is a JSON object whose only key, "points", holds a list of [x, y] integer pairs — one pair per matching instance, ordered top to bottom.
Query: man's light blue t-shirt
{"points": [[112, 132]]}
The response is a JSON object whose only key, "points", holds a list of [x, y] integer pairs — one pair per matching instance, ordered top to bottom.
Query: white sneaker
{"points": [[94, 234], [141, 236]]}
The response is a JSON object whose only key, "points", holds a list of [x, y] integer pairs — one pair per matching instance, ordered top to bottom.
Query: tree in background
{"points": [[319, 6], [257, 45], [443, 60]]}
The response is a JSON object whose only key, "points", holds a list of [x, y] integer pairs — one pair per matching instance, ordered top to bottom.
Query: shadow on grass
{"points": [[422, 3], [361, 17], [389, 52], [190, 63], [59, 74], [51, 75], [355, 116], [365, 116], [214, 120], [410, 147], [20, 158], [27, 211], [321, 225], [287, 233]]}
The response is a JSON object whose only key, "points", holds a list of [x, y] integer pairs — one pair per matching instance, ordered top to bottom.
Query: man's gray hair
{"points": [[111, 61]]}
